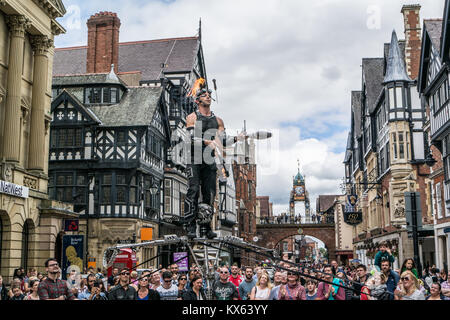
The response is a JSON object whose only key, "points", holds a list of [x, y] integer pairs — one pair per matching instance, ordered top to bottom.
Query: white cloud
{"points": [[288, 65]]}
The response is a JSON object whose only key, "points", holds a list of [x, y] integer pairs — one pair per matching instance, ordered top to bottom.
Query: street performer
{"points": [[207, 134]]}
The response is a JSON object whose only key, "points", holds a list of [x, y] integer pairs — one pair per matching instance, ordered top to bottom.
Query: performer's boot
{"points": [[191, 229], [209, 233]]}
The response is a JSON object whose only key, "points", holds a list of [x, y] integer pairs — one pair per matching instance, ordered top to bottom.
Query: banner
{"points": [[73, 253], [183, 265]]}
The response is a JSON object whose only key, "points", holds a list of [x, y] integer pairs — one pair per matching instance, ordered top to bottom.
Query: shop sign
{"points": [[14, 189], [351, 215]]}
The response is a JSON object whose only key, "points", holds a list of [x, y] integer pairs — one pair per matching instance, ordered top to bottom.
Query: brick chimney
{"points": [[411, 14], [103, 42]]}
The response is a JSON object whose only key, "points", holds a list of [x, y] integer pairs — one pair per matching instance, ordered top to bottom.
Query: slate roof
{"points": [[434, 29], [402, 45], [146, 56], [395, 67], [373, 73], [90, 78], [136, 108], [356, 110], [348, 150], [325, 202]]}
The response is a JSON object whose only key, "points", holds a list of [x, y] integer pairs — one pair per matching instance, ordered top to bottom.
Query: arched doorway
{"points": [[25, 245], [58, 248]]}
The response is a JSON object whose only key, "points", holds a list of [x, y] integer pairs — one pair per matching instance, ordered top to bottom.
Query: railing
{"points": [[280, 220]]}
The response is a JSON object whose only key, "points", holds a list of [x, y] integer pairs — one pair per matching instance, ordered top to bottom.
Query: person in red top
{"points": [[235, 278]]}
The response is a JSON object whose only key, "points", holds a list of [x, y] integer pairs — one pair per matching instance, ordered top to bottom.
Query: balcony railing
{"points": [[314, 219]]}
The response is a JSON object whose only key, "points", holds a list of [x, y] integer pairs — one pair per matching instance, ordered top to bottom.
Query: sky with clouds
{"points": [[282, 65]]}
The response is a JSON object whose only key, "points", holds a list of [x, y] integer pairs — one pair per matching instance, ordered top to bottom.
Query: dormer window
{"points": [[99, 95]]}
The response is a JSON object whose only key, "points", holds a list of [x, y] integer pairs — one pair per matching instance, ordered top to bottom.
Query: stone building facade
{"points": [[29, 222]]}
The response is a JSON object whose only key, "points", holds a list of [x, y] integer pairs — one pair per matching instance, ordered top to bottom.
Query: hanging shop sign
{"points": [[13, 189], [351, 215]]}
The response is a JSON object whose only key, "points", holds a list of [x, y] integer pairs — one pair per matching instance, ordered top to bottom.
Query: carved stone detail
{"points": [[18, 24], [41, 44], [7, 172], [31, 183], [399, 211]]}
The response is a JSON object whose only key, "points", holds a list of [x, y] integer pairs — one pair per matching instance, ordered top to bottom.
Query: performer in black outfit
{"points": [[204, 128]]}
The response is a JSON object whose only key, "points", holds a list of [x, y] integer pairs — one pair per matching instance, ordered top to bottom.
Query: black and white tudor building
{"points": [[113, 145]]}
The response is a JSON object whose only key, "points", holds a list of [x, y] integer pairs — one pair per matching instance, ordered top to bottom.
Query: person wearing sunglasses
{"points": [[182, 285], [408, 288], [224, 289], [293, 290], [123, 291], [168, 291], [144, 292]]}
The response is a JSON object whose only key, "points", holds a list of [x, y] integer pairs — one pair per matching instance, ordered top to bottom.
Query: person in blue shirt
{"points": [[392, 277]]}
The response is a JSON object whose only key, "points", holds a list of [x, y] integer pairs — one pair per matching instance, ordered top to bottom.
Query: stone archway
{"points": [[272, 234]]}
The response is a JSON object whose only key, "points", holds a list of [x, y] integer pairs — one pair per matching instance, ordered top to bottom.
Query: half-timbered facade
{"points": [[433, 86], [118, 131], [108, 145], [386, 149]]}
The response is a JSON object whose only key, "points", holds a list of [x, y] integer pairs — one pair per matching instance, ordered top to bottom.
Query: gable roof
{"points": [[432, 30], [445, 45], [179, 54], [373, 74], [67, 96], [136, 108], [325, 202]]}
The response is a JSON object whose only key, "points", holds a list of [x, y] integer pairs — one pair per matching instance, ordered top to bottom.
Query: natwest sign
{"points": [[13, 189]]}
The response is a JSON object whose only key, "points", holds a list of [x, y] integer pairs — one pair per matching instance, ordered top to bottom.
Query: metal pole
{"points": [[415, 233]]}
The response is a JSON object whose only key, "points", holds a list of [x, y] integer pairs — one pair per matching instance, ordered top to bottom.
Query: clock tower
{"points": [[299, 200]]}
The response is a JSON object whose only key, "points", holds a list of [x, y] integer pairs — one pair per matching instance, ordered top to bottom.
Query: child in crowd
{"points": [[384, 253]]}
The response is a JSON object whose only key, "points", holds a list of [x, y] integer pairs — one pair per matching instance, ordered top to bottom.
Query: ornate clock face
{"points": [[299, 190]]}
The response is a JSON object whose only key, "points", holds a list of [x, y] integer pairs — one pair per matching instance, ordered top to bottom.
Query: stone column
{"points": [[17, 25], [37, 155]]}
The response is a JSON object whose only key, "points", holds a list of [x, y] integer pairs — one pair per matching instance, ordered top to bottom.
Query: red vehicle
{"points": [[125, 259]]}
